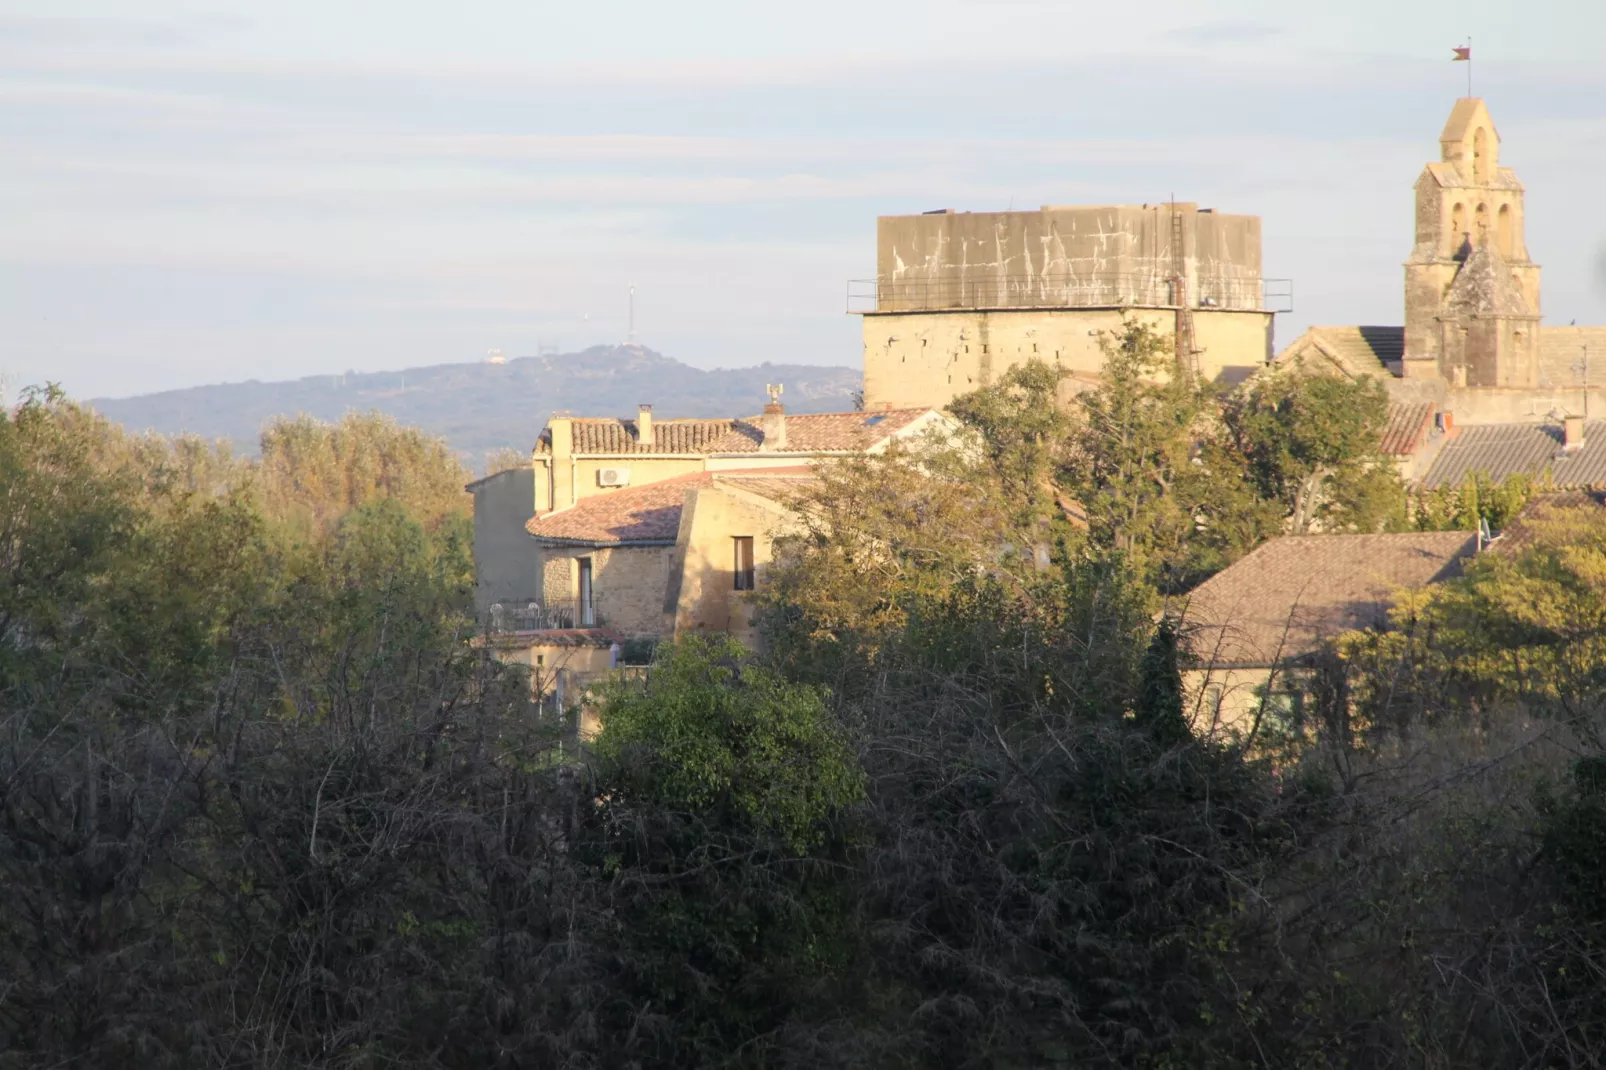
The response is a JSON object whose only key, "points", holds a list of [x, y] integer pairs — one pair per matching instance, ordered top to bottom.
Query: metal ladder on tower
{"points": [[1187, 349]]}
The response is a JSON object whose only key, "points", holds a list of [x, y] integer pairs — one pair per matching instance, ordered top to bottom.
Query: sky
{"points": [[195, 192]]}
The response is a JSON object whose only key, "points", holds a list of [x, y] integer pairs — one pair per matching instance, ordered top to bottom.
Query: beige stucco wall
{"points": [[930, 358], [644, 469], [506, 565], [706, 598], [545, 660], [1225, 701]]}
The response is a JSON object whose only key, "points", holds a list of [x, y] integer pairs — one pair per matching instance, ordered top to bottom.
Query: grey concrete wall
{"points": [[1065, 257], [506, 567]]}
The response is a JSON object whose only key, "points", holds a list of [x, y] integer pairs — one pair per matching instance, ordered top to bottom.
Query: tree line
{"points": [[265, 803]]}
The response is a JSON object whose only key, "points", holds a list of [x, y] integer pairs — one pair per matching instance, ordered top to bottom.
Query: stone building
{"points": [[959, 298], [1472, 341], [586, 536]]}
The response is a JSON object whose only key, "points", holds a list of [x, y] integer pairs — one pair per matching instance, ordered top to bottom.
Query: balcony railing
{"points": [[1064, 291], [542, 616]]}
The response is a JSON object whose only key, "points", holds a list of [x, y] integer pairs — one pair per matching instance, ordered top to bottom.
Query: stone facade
{"points": [[1471, 291], [959, 298], [627, 584]]}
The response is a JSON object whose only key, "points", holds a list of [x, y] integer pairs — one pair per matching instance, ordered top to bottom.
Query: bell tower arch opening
{"points": [[1480, 225], [1458, 228], [1503, 230]]}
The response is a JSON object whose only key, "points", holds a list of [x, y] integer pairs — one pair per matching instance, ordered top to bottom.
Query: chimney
{"points": [[773, 422], [561, 425], [644, 425], [1572, 432]]}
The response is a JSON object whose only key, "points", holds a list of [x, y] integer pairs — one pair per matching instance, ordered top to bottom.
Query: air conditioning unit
{"points": [[613, 477]]}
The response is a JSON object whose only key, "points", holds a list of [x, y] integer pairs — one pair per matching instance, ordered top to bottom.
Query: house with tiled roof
{"points": [[577, 459], [1253, 628]]}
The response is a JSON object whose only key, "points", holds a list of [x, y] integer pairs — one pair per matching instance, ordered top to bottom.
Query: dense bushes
{"points": [[263, 804]]}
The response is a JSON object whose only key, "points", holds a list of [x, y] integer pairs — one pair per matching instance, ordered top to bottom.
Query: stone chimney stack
{"points": [[773, 422], [561, 425], [644, 425], [1572, 433]]}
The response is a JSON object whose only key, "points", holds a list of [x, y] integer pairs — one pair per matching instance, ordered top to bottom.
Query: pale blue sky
{"points": [[206, 191]]}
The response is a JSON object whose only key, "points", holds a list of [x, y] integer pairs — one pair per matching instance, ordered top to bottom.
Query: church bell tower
{"points": [[1471, 293]]}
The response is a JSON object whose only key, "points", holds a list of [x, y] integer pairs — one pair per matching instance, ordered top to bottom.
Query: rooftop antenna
{"points": [[1582, 367]]}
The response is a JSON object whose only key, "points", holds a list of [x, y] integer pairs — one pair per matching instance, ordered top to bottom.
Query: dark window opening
{"points": [[744, 562]]}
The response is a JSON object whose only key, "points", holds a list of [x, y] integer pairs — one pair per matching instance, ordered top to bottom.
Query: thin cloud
{"points": [[1223, 33]]}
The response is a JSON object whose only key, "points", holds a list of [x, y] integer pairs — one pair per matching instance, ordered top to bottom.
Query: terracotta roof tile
{"points": [[1408, 426], [829, 432], [805, 433], [609, 435], [781, 485], [646, 514], [1288, 595]]}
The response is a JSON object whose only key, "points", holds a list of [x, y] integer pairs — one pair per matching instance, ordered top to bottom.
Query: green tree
{"points": [[1025, 434], [1312, 444], [1145, 465], [722, 800]]}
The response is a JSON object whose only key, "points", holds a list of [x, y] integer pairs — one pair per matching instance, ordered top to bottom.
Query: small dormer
{"points": [[1469, 141]]}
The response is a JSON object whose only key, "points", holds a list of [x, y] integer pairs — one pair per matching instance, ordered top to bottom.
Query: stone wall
{"points": [[929, 358], [644, 468]]}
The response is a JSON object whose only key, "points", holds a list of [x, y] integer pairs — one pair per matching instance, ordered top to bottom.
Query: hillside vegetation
{"points": [[482, 407], [265, 804]]}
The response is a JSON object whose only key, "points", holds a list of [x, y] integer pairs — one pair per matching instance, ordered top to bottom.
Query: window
{"points": [[1503, 231], [744, 562], [586, 608]]}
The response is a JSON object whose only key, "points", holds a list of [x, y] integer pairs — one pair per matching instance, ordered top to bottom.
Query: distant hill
{"points": [[481, 407]]}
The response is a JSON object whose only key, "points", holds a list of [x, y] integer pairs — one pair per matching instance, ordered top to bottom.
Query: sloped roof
{"points": [[1463, 115], [1449, 176], [1357, 351], [1561, 352], [1408, 424], [830, 432], [805, 433], [608, 435], [1500, 450], [780, 485], [646, 514], [650, 514], [1521, 532], [1285, 598]]}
